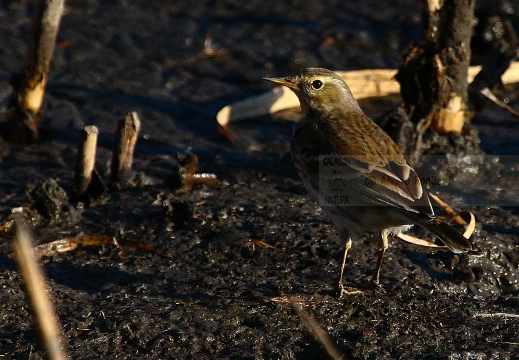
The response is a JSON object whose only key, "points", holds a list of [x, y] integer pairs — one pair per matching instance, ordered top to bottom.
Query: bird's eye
{"points": [[317, 84]]}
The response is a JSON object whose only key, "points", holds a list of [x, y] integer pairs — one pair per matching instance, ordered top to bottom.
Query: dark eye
{"points": [[317, 84]]}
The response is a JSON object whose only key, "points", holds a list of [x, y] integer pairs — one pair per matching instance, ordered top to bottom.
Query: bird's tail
{"points": [[451, 237]]}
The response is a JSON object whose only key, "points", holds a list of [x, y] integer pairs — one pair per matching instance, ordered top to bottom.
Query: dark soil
{"points": [[215, 294]]}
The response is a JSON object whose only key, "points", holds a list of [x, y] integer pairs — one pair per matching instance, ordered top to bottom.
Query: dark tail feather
{"points": [[451, 237]]}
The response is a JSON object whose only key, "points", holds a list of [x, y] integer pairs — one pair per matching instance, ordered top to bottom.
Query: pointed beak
{"points": [[287, 81]]}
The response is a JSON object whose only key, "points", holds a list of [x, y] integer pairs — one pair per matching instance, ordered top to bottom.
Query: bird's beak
{"points": [[287, 81]]}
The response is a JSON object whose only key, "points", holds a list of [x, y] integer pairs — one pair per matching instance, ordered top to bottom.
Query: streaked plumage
{"points": [[384, 193]]}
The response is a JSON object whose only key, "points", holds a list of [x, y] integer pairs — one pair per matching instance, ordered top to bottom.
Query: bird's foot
{"points": [[376, 286]]}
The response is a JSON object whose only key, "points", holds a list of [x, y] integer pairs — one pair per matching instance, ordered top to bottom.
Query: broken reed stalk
{"points": [[29, 87], [125, 140], [85, 159], [35, 284], [319, 334]]}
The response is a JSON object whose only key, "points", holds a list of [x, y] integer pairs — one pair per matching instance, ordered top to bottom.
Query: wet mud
{"points": [[226, 256]]}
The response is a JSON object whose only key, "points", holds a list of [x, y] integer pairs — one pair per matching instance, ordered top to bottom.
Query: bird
{"points": [[355, 171]]}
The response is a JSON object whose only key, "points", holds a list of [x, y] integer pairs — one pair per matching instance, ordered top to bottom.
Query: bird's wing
{"points": [[370, 179], [391, 183]]}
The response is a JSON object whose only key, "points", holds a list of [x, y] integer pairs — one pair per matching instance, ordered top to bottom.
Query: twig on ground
{"points": [[35, 284], [320, 335]]}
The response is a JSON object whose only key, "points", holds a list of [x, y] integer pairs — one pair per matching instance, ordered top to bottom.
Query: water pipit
{"points": [[355, 170]]}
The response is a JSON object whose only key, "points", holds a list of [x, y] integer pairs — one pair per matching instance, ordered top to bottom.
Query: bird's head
{"points": [[319, 90]]}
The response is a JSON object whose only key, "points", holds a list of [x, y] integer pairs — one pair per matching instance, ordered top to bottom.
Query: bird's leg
{"points": [[382, 245], [345, 290]]}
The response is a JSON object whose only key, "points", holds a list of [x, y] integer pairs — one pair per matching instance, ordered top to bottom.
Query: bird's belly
{"points": [[367, 218]]}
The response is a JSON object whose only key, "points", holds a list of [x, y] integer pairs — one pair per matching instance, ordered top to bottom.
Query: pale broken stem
{"points": [[434, 5], [40, 54], [363, 84], [29, 85], [490, 95], [277, 99], [451, 117], [126, 138], [86, 158], [448, 210], [455, 217], [471, 226], [469, 230], [417, 241], [422, 242], [35, 282], [499, 314], [320, 335]]}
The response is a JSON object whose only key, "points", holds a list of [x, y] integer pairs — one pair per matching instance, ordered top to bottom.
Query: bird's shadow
{"points": [[423, 260]]}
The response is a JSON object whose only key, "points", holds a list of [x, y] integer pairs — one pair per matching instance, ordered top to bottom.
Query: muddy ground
{"points": [[212, 294]]}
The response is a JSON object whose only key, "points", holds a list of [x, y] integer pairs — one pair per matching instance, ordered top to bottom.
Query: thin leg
{"points": [[382, 245], [345, 290]]}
